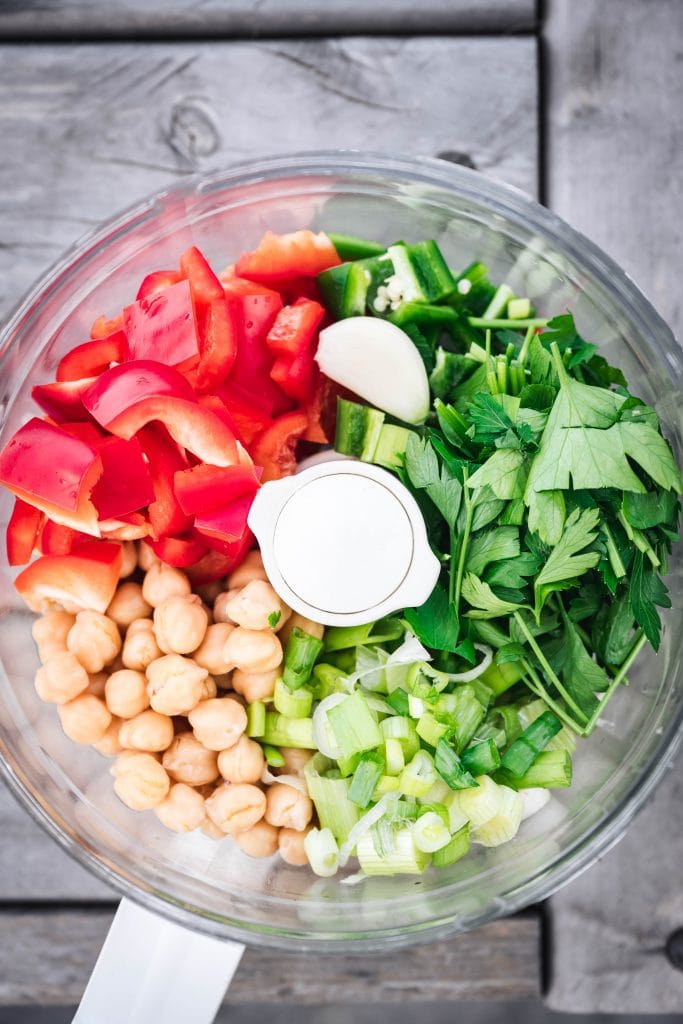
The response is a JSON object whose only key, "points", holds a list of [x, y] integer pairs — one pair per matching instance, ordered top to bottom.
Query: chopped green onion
{"points": [[498, 303], [519, 309], [339, 638], [300, 654], [500, 678], [327, 679], [398, 700], [292, 703], [416, 706], [463, 711], [528, 713], [256, 719], [354, 725], [403, 730], [429, 730], [288, 732], [393, 754], [273, 756], [481, 758], [518, 758], [348, 765], [450, 769], [551, 770], [418, 777], [365, 779], [387, 784], [438, 794], [331, 798], [481, 804], [435, 808], [456, 817], [504, 824], [430, 833], [454, 850], [322, 851], [403, 859]]}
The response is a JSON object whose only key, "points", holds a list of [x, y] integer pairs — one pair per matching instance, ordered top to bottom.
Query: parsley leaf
{"points": [[489, 418], [505, 472], [440, 483], [646, 510], [547, 513], [491, 546], [565, 562], [513, 571], [646, 590], [485, 604], [274, 618], [435, 623], [509, 653], [582, 677]]}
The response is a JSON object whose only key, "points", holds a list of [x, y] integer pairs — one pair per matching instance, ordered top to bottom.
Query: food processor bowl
{"points": [[212, 887]]}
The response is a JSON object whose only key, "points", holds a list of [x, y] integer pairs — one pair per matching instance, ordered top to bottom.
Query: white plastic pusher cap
{"points": [[344, 543]]}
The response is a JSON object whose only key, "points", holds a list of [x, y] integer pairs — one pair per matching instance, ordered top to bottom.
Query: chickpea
{"points": [[146, 557], [130, 558], [250, 569], [163, 581], [209, 591], [128, 604], [252, 606], [220, 613], [180, 624], [308, 626], [50, 633], [94, 639], [140, 648], [253, 650], [209, 654], [61, 679], [97, 684], [175, 684], [254, 685], [209, 689], [126, 693], [84, 719], [218, 723], [147, 731], [109, 745], [186, 760], [295, 760], [243, 762], [139, 780], [287, 807], [236, 808], [182, 810], [211, 830], [261, 840], [291, 846]]}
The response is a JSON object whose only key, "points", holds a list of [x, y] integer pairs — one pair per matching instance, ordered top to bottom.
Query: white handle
{"points": [[153, 969]]}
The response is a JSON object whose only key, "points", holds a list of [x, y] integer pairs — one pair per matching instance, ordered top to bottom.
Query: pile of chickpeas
{"points": [[161, 682]]}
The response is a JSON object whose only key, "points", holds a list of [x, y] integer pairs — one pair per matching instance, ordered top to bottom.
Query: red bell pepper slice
{"points": [[278, 257], [156, 282], [205, 286], [300, 288], [254, 308], [103, 327], [163, 327], [295, 327], [217, 344], [93, 357], [295, 375], [122, 387], [63, 400], [246, 414], [193, 427], [86, 431], [315, 431], [274, 449], [164, 459], [53, 471], [125, 485], [205, 489], [225, 527], [22, 532], [56, 539], [179, 551], [213, 566], [85, 578]]}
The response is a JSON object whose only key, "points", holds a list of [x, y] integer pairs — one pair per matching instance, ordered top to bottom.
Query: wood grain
{"points": [[83, 18], [87, 130], [615, 136], [46, 958]]}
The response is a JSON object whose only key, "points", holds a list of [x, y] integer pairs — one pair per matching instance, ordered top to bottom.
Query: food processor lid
{"points": [[344, 543]]}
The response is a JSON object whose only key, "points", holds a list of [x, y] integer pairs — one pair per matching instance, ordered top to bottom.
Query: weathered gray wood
{"points": [[83, 18], [88, 129], [616, 150], [46, 958]]}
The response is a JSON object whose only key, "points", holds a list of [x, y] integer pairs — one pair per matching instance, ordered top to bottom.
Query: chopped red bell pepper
{"points": [[278, 257], [156, 282], [205, 286], [300, 288], [254, 308], [103, 327], [163, 327], [295, 327], [217, 344], [93, 357], [295, 375], [119, 389], [62, 400], [313, 408], [246, 414], [193, 427], [87, 431], [274, 449], [164, 459], [53, 471], [125, 485], [204, 489], [133, 526], [226, 526], [22, 532], [56, 539], [179, 551], [213, 566], [85, 578]]}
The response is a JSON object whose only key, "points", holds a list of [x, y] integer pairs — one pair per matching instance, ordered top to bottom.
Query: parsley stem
{"points": [[482, 322], [524, 351], [464, 540], [613, 553], [545, 665], [616, 682], [537, 687]]}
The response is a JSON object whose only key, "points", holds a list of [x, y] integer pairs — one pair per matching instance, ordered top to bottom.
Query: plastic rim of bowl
{"points": [[513, 204]]}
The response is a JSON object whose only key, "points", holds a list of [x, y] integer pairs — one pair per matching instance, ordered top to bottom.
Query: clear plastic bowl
{"points": [[212, 886]]}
